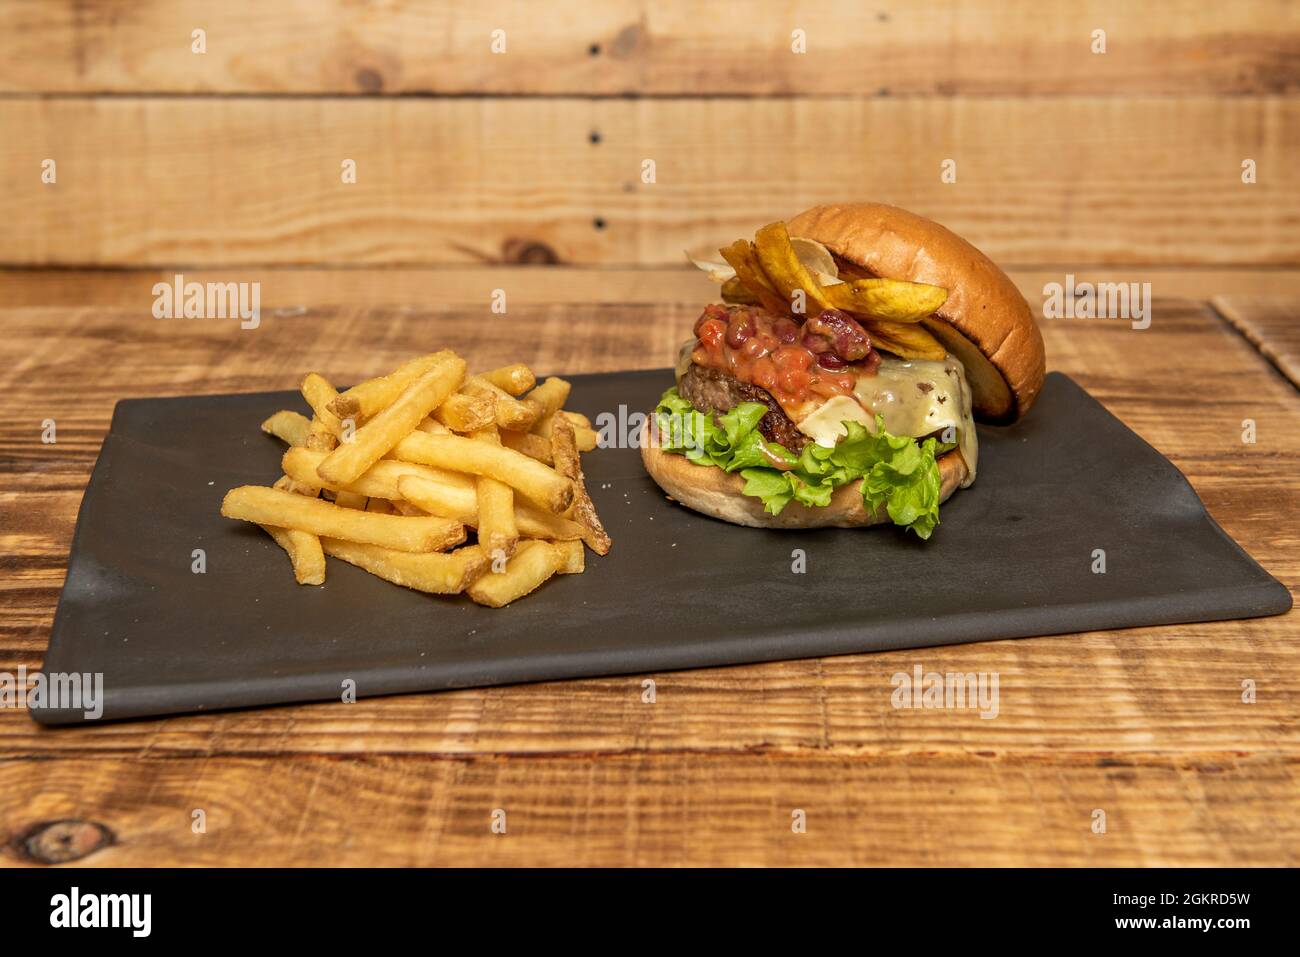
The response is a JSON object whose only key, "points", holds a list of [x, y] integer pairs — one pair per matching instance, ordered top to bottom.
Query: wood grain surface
{"points": [[648, 47], [234, 181], [311, 287], [1271, 323], [1147, 725], [680, 808]]}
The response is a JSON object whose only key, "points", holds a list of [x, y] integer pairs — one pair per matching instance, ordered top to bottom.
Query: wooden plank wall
{"points": [[471, 159]]}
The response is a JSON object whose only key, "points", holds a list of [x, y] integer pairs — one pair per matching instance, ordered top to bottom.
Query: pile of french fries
{"points": [[391, 473]]}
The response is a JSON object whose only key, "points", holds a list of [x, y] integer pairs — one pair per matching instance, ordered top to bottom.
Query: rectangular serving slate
{"points": [[1013, 557]]}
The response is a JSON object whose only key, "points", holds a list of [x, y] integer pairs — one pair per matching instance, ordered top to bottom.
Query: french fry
{"points": [[515, 379], [318, 392], [549, 397], [366, 399], [345, 407], [510, 412], [466, 413], [577, 418], [432, 426], [326, 427], [291, 428], [586, 438], [321, 439], [374, 439], [534, 446], [565, 452], [527, 476], [378, 481], [287, 484], [437, 498], [350, 500], [461, 504], [381, 505], [269, 506], [406, 508], [535, 523], [497, 530], [304, 551], [573, 559], [532, 563], [439, 574]]}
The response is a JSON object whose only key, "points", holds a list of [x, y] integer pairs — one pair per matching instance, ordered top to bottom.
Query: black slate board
{"points": [[1013, 557]]}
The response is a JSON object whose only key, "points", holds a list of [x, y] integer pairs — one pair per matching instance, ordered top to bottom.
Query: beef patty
{"points": [[712, 390]]}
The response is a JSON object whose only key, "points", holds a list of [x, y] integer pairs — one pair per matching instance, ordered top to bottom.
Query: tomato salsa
{"points": [[796, 363]]}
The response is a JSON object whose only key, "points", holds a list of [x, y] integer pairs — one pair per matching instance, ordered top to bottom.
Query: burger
{"points": [[839, 380]]}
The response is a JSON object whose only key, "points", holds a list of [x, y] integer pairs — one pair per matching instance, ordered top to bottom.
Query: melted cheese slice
{"points": [[917, 397]]}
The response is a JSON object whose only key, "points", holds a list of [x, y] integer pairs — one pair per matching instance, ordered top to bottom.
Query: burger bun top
{"points": [[985, 322]]}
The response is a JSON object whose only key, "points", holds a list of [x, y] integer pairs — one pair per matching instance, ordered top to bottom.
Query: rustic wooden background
{"points": [[228, 163], [522, 171]]}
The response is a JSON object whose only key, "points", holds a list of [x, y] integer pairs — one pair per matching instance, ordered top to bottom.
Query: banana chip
{"points": [[743, 258], [780, 273], [790, 276], [737, 293], [893, 300], [906, 340]]}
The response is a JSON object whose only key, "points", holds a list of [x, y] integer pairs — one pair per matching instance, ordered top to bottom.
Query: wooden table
{"points": [[1146, 724]]}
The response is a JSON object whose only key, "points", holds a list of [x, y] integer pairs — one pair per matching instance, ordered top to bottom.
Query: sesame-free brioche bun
{"points": [[985, 322], [713, 492]]}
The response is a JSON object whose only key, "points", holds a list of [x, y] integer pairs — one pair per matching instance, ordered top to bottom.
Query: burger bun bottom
{"points": [[716, 493]]}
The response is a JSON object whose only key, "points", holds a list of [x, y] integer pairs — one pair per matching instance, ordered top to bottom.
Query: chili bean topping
{"points": [[795, 363]]}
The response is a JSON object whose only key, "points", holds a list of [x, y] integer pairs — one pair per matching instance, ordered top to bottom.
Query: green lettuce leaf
{"points": [[898, 473]]}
